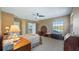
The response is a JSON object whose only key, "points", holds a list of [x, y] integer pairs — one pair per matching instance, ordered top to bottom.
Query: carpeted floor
{"points": [[50, 44]]}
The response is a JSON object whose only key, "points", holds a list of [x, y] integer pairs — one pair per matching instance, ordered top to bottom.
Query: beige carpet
{"points": [[50, 44]]}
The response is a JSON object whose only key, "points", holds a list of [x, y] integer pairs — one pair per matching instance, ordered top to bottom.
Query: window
{"points": [[58, 26], [32, 28]]}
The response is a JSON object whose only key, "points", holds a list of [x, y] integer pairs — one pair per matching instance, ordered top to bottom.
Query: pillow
{"points": [[67, 36]]}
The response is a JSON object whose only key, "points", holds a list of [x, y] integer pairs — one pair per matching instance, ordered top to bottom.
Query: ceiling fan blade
{"points": [[33, 14], [37, 14], [41, 15]]}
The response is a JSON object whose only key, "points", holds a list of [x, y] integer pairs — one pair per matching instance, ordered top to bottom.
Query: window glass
{"points": [[58, 25]]}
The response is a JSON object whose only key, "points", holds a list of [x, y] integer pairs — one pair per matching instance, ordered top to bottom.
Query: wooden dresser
{"points": [[71, 44], [22, 45]]}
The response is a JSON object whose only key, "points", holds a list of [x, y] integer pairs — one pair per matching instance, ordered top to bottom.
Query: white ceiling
{"points": [[48, 12]]}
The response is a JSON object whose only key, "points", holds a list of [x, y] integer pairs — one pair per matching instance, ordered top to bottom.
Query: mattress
{"points": [[34, 38]]}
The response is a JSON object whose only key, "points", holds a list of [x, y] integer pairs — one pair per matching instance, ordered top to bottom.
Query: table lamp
{"points": [[14, 29], [7, 30]]}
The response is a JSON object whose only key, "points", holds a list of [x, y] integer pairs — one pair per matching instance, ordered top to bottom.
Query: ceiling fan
{"points": [[38, 15]]}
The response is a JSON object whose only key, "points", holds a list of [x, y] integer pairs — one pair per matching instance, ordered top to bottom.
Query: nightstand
{"points": [[22, 45]]}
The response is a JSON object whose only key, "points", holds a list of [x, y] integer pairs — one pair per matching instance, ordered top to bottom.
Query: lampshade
{"points": [[6, 27], [14, 28]]}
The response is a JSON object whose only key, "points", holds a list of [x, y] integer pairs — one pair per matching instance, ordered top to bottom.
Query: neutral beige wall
{"points": [[75, 19], [7, 20], [0, 21], [48, 23], [66, 24], [24, 25]]}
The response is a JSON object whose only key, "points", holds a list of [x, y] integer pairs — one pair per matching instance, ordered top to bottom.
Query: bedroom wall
{"points": [[7, 20], [0, 21], [28, 21], [75, 21], [48, 23], [67, 24], [23, 25]]}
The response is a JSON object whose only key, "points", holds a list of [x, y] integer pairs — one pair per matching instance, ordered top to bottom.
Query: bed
{"points": [[34, 38]]}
